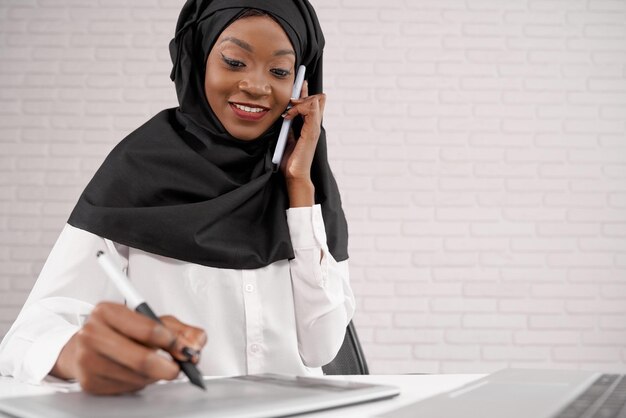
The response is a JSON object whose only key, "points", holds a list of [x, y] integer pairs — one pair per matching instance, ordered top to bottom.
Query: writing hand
{"points": [[116, 350]]}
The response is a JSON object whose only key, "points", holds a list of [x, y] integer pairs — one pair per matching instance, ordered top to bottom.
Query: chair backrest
{"points": [[350, 358]]}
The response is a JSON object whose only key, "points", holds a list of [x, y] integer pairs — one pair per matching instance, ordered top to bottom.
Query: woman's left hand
{"points": [[298, 156]]}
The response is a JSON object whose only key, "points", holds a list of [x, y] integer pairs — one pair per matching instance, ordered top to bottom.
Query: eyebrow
{"points": [[248, 47]]}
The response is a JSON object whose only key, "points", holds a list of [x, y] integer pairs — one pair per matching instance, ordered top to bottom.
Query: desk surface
{"points": [[413, 388]]}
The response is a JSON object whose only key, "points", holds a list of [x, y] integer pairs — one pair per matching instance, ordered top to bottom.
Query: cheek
{"points": [[214, 77], [210, 84], [215, 91], [283, 94]]}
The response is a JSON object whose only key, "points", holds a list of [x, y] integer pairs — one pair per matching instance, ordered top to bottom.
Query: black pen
{"points": [[133, 299]]}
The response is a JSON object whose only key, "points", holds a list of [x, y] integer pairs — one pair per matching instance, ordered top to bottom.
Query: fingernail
{"points": [[284, 113], [189, 352]]}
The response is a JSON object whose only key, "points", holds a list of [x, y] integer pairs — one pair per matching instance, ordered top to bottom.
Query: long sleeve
{"points": [[70, 284], [323, 299], [279, 319]]}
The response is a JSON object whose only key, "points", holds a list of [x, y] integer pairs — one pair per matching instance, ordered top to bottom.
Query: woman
{"points": [[249, 262]]}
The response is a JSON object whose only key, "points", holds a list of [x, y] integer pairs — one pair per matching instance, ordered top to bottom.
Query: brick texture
{"points": [[480, 146]]}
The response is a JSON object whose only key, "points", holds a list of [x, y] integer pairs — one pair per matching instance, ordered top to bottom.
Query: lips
{"points": [[248, 111]]}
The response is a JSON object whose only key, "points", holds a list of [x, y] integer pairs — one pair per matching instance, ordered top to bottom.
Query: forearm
{"points": [[71, 283], [323, 299], [324, 304], [32, 345], [64, 366]]}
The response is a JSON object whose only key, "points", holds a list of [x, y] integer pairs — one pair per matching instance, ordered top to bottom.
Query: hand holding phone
{"points": [[284, 130]]}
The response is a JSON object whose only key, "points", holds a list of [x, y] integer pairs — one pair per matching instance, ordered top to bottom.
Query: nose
{"points": [[255, 85]]}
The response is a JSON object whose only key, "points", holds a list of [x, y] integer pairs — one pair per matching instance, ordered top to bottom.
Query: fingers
{"points": [[304, 92], [322, 103], [307, 106], [310, 110], [300, 156], [136, 326], [195, 336], [98, 337], [190, 340], [116, 350], [106, 377], [98, 385]]}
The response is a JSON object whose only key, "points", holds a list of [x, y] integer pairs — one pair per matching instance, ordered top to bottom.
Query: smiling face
{"points": [[250, 75]]}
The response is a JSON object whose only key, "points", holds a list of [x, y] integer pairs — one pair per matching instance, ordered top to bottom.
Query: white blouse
{"points": [[288, 317]]}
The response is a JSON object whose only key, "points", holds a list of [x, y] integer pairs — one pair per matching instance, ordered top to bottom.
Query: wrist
{"points": [[301, 193], [64, 367]]}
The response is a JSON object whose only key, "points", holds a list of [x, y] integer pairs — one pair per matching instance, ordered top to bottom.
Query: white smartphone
{"points": [[284, 130]]}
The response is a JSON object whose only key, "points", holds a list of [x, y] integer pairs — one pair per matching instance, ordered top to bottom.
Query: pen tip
{"points": [[194, 375], [200, 383]]}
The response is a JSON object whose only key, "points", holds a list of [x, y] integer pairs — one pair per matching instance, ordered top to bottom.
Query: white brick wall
{"points": [[480, 146]]}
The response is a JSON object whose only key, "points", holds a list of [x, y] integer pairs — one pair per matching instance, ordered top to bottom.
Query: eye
{"points": [[232, 62], [280, 73]]}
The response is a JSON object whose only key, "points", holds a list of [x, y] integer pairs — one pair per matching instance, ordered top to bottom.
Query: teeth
{"points": [[249, 109]]}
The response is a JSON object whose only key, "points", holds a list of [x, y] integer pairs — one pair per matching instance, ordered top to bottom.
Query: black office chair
{"points": [[350, 358]]}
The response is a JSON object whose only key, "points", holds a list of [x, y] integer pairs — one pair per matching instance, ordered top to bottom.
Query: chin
{"points": [[250, 134], [246, 136]]}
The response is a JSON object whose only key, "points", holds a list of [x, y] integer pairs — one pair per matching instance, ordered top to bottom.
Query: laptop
{"points": [[520, 393], [252, 396]]}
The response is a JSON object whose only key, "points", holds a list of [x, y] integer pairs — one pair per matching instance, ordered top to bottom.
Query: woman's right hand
{"points": [[116, 350]]}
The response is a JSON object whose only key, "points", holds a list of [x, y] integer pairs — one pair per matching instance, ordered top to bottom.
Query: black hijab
{"points": [[181, 186]]}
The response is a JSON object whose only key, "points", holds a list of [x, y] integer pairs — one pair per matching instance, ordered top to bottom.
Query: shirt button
{"points": [[249, 288], [254, 348]]}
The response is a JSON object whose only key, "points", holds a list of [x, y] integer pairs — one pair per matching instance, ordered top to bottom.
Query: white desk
{"points": [[413, 388]]}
